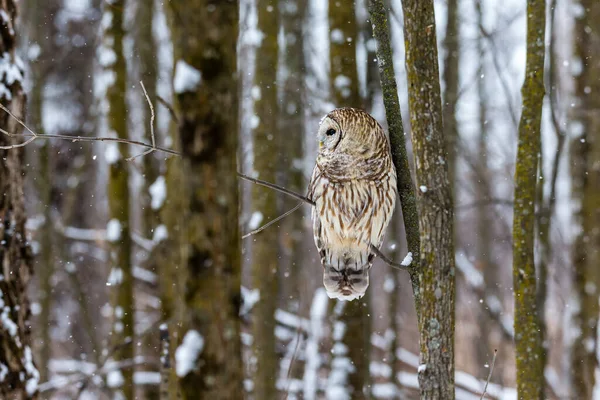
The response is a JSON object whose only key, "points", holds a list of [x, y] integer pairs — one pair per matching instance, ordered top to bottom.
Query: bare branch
{"points": [[169, 107], [151, 126], [277, 188], [265, 226], [490, 374]]}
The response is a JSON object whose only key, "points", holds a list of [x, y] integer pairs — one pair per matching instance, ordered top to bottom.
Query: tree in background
{"points": [[343, 30], [451, 80], [291, 131], [585, 172], [434, 201], [118, 227], [265, 257], [528, 337], [208, 357], [20, 377]]}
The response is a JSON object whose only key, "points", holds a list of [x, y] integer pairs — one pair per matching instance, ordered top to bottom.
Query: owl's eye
{"points": [[330, 132]]}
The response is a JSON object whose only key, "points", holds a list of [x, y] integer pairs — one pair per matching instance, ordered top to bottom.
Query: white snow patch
{"points": [[187, 78], [112, 153], [423, 188], [158, 193], [255, 220], [113, 230], [160, 233], [407, 260], [472, 275], [115, 277], [249, 299], [9, 324], [187, 353], [422, 368], [3, 372], [146, 378], [114, 379], [31, 386]]}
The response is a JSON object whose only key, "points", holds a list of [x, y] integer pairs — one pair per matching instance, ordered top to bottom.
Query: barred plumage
{"points": [[354, 189]]}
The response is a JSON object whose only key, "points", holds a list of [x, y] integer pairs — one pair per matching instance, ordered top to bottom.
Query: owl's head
{"points": [[351, 132]]}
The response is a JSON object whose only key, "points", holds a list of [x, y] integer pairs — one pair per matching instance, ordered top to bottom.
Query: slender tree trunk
{"points": [[147, 53], [344, 77], [451, 80], [291, 142], [585, 172], [434, 200], [265, 247], [45, 261], [120, 278], [528, 338], [208, 358], [19, 374]]}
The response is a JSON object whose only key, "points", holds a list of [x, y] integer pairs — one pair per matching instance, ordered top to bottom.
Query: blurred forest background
{"points": [[110, 289]]}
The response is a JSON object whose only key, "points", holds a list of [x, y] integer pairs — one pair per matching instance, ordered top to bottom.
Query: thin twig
{"points": [[169, 107], [151, 126], [33, 136], [277, 188], [265, 226], [389, 262], [490, 374]]}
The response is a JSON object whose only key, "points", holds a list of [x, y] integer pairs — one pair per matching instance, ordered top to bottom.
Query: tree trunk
{"points": [[146, 49], [344, 77], [451, 81], [291, 139], [585, 171], [434, 200], [118, 228], [265, 247], [528, 338], [208, 359], [19, 375]]}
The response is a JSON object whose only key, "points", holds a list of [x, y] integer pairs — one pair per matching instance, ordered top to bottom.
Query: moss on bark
{"points": [[585, 172], [434, 201], [528, 338]]}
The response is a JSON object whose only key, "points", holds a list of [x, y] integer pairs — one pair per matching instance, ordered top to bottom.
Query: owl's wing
{"points": [[315, 190], [385, 202]]}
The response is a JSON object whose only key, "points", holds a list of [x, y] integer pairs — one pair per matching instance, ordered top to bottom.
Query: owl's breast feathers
{"points": [[349, 215]]}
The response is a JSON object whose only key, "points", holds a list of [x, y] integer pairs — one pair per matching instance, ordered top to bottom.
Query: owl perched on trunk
{"points": [[353, 186]]}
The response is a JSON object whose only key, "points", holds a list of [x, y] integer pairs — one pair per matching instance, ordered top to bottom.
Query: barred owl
{"points": [[353, 186]]}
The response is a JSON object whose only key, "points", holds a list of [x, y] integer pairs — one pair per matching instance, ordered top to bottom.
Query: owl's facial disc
{"points": [[329, 134]]}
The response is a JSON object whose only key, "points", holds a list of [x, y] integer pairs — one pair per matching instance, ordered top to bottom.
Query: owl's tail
{"points": [[346, 282]]}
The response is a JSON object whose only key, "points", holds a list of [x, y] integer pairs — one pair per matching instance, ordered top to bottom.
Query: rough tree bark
{"points": [[344, 77], [208, 109], [585, 172], [434, 200], [265, 255], [120, 278], [528, 338], [19, 375]]}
